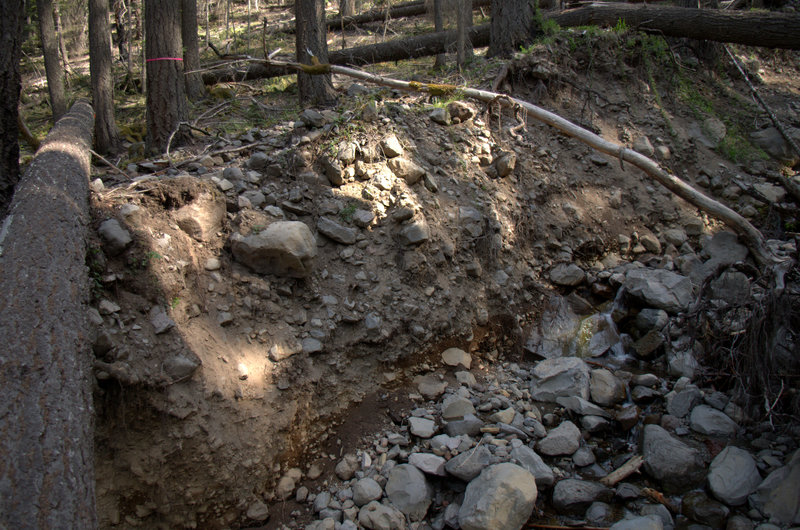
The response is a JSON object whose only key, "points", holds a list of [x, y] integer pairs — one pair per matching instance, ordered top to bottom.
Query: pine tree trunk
{"points": [[347, 8], [11, 15], [513, 25], [438, 26], [121, 28], [312, 35], [191, 55], [52, 65], [166, 99], [106, 135], [46, 435]]}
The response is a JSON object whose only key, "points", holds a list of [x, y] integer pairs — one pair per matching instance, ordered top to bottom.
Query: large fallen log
{"points": [[408, 9], [752, 28], [774, 30], [393, 50], [46, 434]]}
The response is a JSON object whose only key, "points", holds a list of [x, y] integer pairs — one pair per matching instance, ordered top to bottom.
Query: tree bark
{"points": [[408, 9], [11, 15], [514, 24], [438, 25], [121, 29], [772, 30], [312, 37], [191, 54], [52, 64], [166, 100], [106, 134], [46, 436]]}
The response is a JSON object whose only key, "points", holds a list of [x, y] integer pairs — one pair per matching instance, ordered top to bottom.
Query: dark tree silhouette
{"points": [[11, 12], [514, 24], [311, 36], [191, 54], [52, 64], [166, 99], [106, 134]]}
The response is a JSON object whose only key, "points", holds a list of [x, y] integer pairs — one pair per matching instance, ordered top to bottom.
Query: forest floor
{"points": [[216, 381]]}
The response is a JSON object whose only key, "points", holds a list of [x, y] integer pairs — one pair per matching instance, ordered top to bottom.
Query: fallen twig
{"points": [[111, 165], [624, 471]]}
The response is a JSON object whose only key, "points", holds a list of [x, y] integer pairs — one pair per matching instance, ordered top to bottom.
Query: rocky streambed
{"points": [[600, 426]]}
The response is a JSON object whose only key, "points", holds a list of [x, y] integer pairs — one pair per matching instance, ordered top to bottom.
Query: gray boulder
{"points": [[406, 169], [339, 233], [115, 237], [284, 248], [568, 275], [660, 288], [562, 376], [606, 389], [713, 422], [422, 427], [563, 440], [527, 458], [670, 460], [469, 464], [733, 475], [365, 491], [409, 491], [502, 496], [574, 496], [776, 497], [700, 507], [377, 516]]}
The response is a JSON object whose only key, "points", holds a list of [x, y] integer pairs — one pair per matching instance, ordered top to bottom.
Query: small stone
{"points": [[642, 145], [391, 147], [115, 237], [567, 275], [159, 320], [456, 357], [713, 422], [422, 427], [563, 440], [428, 463], [346, 467], [408, 490], [365, 491], [502, 496], [258, 511]]}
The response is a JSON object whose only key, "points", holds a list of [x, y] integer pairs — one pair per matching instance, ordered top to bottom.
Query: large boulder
{"points": [[284, 248], [660, 288], [561, 376], [713, 422], [563, 440], [527, 458], [670, 460], [469, 464], [733, 476], [409, 491], [502, 496], [574, 496], [776, 497], [377, 516]]}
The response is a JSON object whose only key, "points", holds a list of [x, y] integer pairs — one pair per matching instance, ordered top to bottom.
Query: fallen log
{"points": [[408, 9], [752, 28], [774, 30], [393, 50], [46, 436]]}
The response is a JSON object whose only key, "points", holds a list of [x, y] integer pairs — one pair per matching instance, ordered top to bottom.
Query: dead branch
{"points": [[624, 471]]}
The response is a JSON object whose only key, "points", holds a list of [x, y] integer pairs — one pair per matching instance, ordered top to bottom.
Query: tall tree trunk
{"points": [[347, 8], [11, 15], [463, 23], [514, 23], [438, 25], [121, 28], [312, 36], [62, 45], [191, 54], [52, 65], [166, 99], [106, 135], [46, 432]]}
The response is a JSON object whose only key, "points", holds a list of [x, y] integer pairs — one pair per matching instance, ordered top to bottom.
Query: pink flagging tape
{"points": [[165, 59]]}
